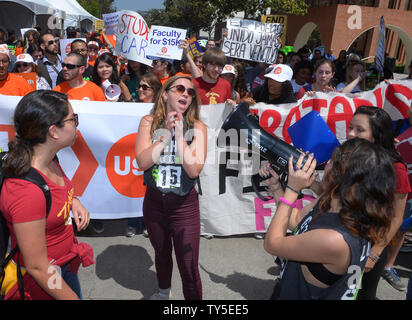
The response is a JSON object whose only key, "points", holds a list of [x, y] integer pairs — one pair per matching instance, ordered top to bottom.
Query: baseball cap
{"points": [[93, 44], [5, 49], [24, 57], [160, 58], [228, 68], [280, 73]]}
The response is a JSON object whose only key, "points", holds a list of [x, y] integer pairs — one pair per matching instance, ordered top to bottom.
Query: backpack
{"points": [[36, 178]]}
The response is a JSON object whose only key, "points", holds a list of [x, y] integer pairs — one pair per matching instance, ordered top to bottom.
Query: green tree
{"points": [[97, 7]]}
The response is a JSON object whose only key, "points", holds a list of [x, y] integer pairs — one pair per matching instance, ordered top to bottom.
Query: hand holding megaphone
{"points": [[111, 91]]}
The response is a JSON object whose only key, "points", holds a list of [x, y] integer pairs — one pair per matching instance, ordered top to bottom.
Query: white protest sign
{"points": [[110, 22], [24, 30], [132, 37], [252, 40], [164, 41], [65, 46]]}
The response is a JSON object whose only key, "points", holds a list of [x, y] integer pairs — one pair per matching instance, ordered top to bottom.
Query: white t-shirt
{"points": [[296, 87]]}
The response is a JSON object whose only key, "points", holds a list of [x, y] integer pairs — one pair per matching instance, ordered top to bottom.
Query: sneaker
{"points": [[130, 232], [145, 233], [208, 236], [259, 236], [392, 277], [160, 296]]}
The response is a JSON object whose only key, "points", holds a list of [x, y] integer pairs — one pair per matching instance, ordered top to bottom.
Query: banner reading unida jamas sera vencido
{"points": [[106, 177]]}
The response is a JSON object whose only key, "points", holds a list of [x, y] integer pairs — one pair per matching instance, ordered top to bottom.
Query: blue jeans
{"points": [[71, 279]]}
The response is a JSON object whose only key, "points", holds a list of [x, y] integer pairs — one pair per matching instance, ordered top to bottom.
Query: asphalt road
{"points": [[231, 268]]}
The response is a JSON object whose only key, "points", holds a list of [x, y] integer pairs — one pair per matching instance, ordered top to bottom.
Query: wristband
{"points": [[300, 194], [290, 204], [373, 257]]}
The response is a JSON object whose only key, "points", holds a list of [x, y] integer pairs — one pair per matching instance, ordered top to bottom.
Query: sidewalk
{"points": [[231, 268]]}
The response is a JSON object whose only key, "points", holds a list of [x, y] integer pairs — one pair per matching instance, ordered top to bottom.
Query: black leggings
{"points": [[370, 280]]}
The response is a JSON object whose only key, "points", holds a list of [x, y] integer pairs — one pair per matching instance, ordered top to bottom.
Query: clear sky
{"points": [[138, 5]]}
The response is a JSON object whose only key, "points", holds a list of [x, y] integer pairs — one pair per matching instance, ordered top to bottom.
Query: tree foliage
{"points": [[97, 7], [194, 15]]}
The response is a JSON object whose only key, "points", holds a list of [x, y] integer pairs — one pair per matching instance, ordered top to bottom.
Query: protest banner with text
{"points": [[132, 37], [252, 40], [164, 41], [106, 177]]}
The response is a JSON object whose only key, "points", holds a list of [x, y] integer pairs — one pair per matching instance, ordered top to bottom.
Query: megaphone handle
{"points": [[256, 180]]}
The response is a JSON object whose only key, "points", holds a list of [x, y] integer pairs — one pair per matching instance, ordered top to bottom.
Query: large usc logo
{"points": [[122, 169]]}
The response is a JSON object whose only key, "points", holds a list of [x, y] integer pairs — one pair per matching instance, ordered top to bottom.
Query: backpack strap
{"points": [[36, 178]]}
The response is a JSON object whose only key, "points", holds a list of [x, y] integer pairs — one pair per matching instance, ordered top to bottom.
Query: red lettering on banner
{"points": [[124, 23], [143, 29], [378, 95], [395, 101], [362, 102], [315, 104], [254, 112], [293, 112], [270, 114], [334, 116], [9, 129]]}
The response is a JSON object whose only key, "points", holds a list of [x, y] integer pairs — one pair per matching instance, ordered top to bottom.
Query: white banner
{"points": [[132, 37], [252, 40], [164, 41], [106, 177]]}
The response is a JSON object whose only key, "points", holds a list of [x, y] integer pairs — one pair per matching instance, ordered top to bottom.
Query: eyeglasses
{"points": [[50, 42], [80, 50], [4, 61], [24, 64], [70, 66], [144, 87], [180, 89], [75, 119]]}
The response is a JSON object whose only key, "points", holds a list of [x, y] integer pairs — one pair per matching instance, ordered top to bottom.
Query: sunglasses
{"points": [[50, 42], [24, 64], [70, 66], [144, 87], [180, 89], [75, 119]]}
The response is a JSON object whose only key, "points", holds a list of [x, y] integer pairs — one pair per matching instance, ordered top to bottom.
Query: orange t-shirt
{"points": [[111, 38], [183, 74], [163, 80], [14, 85], [90, 91]]}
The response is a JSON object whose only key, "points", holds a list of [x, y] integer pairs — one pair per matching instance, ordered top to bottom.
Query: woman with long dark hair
{"points": [[105, 70], [45, 123], [375, 125], [171, 149], [327, 253]]}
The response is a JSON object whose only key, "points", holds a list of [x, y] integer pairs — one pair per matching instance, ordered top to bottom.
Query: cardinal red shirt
{"points": [[212, 93], [405, 149], [23, 201]]}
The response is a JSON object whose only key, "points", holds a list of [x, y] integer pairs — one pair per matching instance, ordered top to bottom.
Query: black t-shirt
{"points": [[293, 284]]}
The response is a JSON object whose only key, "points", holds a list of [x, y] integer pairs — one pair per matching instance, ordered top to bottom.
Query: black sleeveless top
{"points": [[167, 174], [345, 287]]}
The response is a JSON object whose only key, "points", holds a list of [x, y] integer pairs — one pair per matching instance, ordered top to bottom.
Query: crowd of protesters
{"points": [[177, 88]]}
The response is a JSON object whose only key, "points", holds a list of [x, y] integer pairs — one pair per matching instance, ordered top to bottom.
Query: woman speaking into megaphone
{"points": [[105, 75]]}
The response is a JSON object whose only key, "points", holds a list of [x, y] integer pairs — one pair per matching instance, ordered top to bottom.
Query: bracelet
{"points": [[300, 194], [290, 204], [373, 257]]}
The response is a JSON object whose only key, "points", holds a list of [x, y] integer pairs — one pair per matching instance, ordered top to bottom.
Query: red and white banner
{"points": [[106, 177]]}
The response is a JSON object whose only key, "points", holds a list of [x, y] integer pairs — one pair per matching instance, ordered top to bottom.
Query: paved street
{"points": [[231, 268]]}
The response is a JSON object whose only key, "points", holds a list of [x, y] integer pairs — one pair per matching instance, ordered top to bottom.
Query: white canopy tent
{"points": [[17, 14]]}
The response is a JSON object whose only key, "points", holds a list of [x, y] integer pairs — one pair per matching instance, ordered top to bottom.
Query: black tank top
{"points": [[168, 175], [293, 283]]}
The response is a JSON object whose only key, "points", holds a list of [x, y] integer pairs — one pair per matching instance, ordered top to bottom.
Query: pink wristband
{"points": [[290, 204]]}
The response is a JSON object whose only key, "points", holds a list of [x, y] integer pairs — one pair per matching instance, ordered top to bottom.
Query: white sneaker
{"points": [[160, 296]]}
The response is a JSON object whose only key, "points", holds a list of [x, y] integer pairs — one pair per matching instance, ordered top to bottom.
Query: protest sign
{"points": [[278, 18], [110, 22], [98, 25], [24, 30], [132, 37], [252, 40], [164, 41], [65, 46], [194, 47], [105, 175]]}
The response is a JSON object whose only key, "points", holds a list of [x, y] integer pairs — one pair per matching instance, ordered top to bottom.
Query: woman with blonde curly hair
{"points": [[171, 150]]}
